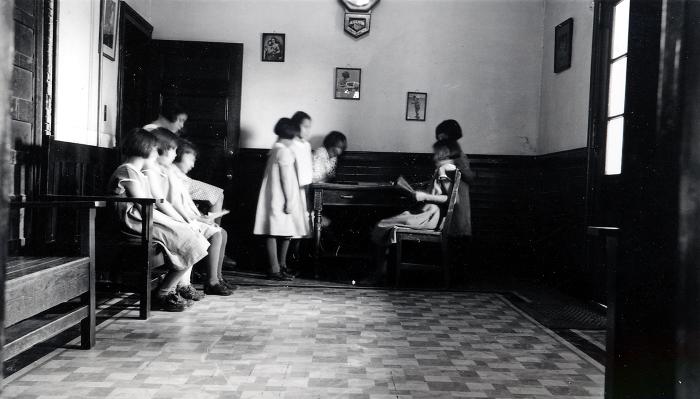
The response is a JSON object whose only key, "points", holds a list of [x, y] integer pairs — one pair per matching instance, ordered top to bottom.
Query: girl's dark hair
{"points": [[170, 111], [299, 117], [286, 128], [450, 128], [335, 139], [167, 140], [139, 143], [185, 147], [447, 149]]}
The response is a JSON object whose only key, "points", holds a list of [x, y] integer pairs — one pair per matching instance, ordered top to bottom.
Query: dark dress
{"points": [[462, 216]]}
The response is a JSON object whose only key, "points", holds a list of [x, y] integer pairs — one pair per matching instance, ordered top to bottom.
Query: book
{"points": [[404, 185]]}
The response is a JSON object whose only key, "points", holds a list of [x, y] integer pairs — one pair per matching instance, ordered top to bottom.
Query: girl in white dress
{"points": [[164, 184], [281, 211]]}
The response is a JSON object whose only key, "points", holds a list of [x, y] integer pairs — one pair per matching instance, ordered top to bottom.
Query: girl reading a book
{"points": [[427, 213]]}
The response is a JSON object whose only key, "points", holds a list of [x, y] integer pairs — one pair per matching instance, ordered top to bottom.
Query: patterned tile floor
{"points": [[276, 342]]}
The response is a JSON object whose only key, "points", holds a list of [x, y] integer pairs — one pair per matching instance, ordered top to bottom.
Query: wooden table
{"points": [[360, 194]]}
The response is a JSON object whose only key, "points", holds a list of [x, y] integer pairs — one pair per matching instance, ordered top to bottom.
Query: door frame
{"points": [[127, 15]]}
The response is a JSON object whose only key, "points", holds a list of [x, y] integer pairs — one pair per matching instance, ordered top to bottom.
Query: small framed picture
{"points": [[110, 10], [563, 36], [273, 47], [347, 83], [415, 106]]}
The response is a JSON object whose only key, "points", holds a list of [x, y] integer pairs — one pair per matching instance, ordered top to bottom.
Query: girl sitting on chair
{"points": [[427, 213]]}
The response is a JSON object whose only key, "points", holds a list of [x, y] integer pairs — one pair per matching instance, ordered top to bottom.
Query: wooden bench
{"points": [[131, 262], [36, 284]]}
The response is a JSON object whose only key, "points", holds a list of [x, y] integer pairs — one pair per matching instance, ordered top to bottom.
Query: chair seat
{"points": [[403, 233]]}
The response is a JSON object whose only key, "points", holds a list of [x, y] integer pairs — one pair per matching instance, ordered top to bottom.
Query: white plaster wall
{"points": [[480, 61], [77, 71], [564, 110]]}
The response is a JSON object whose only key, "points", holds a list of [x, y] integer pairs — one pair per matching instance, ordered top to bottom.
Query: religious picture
{"points": [[109, 28], [563, 36], [273, 47], [347, 83], [415, 106]]}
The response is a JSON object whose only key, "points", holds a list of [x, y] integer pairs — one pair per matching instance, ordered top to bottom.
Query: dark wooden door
{"points": [[134, 60], [205, 79]]}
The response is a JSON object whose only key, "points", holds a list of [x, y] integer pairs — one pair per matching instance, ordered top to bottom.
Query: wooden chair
{"points": [[437, 236], [130, 261], [36, 283]]}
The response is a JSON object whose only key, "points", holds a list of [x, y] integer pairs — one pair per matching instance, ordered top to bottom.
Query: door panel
{"points": [[204, 78]]}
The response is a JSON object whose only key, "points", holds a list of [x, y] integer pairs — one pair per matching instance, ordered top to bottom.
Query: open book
{"points": [[404, 185]]}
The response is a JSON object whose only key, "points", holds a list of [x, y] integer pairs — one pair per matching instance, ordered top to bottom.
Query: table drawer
{"points": [[365, 197]]}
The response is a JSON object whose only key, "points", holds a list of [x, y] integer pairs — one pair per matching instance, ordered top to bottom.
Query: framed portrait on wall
{"points": [[110, 10], [563, 36], [273, 45], [347, 83], [415, 106]]}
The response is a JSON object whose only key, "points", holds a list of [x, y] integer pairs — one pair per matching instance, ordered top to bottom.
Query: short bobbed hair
{"points": [[170, 111], [299, 117], [286, 128], [450, 128], [335, 139], [167, 140], [139, 143], [185, 147], [446, 149]]}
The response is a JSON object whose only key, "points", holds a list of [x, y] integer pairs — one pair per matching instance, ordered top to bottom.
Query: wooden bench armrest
{"points": [[106, 198], [62, 203]]}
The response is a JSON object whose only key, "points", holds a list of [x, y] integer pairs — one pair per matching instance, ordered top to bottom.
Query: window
{"points": [[617, 68]]}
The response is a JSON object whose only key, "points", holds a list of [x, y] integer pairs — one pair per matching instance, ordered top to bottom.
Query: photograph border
{"points": [[262, 46], [335, 83], [425, 107]]}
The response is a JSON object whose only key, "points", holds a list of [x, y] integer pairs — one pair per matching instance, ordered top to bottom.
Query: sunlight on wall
{"points": [[77, 70]]}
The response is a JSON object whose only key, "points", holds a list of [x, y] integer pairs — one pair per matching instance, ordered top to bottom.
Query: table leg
{"points": [[317, 241]]}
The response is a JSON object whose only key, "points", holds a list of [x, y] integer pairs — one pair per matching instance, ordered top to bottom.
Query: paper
{"points": [[404, 185], [216, 215]]}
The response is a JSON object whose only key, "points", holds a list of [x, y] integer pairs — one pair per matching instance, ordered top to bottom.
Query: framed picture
{"points": [[110, 9], [563, 36], [273, 47], [347, 83], [415, 106]]}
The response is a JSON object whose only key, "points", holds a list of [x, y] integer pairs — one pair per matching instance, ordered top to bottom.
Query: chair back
{"points": [[446, 222]]}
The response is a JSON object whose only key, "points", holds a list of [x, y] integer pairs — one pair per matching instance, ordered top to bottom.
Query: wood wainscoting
{"points": [[527, 211]]}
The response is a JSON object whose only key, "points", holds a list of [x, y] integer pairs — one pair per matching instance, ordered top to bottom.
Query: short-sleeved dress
{"points": [[198, 189], [176, 193], [427, 216], [270, 218], [182, 245]]}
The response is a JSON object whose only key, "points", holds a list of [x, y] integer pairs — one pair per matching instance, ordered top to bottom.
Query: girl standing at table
{"points": [[281, 212]]}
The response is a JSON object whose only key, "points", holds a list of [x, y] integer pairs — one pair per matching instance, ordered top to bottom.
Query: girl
{"points": [[173, 118], [325, 159], [184, 162], [165, 185], [281, 212], [427, 215], [462, 221], [182, 246]]}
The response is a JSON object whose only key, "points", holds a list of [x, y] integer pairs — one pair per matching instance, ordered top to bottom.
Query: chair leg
{"points": [[445, 249], [397, 276], [145, 303]]}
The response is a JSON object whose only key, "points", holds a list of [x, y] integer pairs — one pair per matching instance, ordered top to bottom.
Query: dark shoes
{"points": [[279, 277], [227, 284], [217, 289], [189, 292], [170, 302]]}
